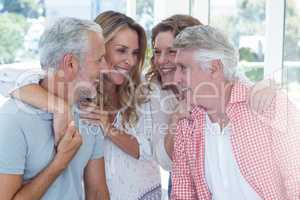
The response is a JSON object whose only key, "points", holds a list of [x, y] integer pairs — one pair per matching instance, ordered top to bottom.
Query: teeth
{"points": [[121, 70], [166, 70], [185, 89]]}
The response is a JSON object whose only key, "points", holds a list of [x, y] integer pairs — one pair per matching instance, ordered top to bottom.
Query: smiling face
{"points": [[122, 54], [164, 56]]}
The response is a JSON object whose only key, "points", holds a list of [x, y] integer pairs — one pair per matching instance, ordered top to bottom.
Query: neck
{"points": [[55, 85], [217, 106]]}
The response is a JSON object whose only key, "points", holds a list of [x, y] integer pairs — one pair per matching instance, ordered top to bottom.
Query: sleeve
{"points": [[12, 79], [285, 126], [160, 128], [96, 132], [143, 132], [13, 146], [98, 152], [161, 154], [182, 183]]}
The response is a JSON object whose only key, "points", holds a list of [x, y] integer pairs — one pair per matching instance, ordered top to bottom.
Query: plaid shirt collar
{"points": [[239, 94]]}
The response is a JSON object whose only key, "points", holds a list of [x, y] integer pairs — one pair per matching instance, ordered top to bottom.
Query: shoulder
{"points": [[14, 113], [10, 123]]}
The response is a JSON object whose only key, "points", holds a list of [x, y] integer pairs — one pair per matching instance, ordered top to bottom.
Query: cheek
{"points": [[112, 57], [135, 60], [155, 61]]}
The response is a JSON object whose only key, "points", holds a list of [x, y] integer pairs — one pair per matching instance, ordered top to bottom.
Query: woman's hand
{"points": [[262, 95], [93, 114]]}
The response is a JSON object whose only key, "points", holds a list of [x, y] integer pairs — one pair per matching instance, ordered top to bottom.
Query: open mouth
{"points": [[167, 69], [121, 70]]}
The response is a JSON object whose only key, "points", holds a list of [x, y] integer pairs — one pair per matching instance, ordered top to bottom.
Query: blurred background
{"points": [[266, 32]]}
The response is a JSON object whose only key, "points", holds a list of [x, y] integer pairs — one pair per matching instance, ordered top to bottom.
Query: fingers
{"points": [[266, 100], [253, 103], [71, 130], [77, 139]]}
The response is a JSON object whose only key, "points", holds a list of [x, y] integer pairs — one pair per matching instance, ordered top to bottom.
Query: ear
{"points": [[70, 66], [217, 69]]}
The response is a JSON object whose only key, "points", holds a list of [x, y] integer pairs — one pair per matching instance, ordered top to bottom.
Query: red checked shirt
{"points": [[266, 148]]}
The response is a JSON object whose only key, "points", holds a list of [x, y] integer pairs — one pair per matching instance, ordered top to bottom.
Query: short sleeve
{"points": [[12, 79], [163, 104], [96, 133], [13, 146], [98, 152]]}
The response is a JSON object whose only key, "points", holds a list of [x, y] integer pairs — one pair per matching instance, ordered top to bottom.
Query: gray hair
{"points": [[65, 35], [211, 44]]}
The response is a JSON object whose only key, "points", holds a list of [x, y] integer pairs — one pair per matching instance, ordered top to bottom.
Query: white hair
{"points": [[65, 35], [212, 44]]}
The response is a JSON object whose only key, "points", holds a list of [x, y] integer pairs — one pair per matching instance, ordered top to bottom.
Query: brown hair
{"points": [[111, 23], [174, 24]]}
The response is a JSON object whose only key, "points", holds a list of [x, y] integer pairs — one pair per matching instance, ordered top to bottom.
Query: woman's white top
{"points": [[163, 105], [222, 173], [127, 177]]}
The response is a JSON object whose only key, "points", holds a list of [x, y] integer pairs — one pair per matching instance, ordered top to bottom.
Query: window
{"points": [[99, 6], [243, 21], [292, 49]]}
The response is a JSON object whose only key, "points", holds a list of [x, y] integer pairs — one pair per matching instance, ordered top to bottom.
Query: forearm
{"points": [[35, 95], [169, 137], [124, 141], [169, 144], [95, 180], [36, 188], [95, 195]]}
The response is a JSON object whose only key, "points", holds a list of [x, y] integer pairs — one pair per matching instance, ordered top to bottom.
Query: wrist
{"points": [[111, 131], [58, 164]]}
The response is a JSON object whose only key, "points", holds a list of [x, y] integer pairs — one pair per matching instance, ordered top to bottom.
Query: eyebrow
{"points": [[123, 46], [169, 48]]}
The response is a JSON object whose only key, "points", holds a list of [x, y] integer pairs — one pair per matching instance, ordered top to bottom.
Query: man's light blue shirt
{"points": [[27, 147]]}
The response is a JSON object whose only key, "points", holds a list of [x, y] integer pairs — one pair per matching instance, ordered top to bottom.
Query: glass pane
{"points": [[99, 6], [144, 14], [145, 17], [243, 21], [21, 24], [292, 49]]}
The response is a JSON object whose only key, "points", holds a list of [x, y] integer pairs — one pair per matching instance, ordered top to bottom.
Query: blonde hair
{"points": [[112, 22]]}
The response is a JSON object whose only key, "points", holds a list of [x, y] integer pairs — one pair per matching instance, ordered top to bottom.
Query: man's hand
{"points": [[68, 146]]}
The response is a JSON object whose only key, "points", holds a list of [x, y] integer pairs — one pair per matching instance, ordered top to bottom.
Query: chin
{"points": [[118, 80]]}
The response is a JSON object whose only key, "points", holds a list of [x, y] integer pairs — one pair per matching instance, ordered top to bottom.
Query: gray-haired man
{"points": [[72, 52], [225, 151]]}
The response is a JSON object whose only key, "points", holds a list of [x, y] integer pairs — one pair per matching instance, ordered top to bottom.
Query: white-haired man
{"points": [[72, 53], [224, 151]]}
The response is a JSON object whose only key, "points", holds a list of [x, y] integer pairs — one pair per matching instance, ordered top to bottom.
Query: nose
{"points": [[162, 59], [130, 60]]}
